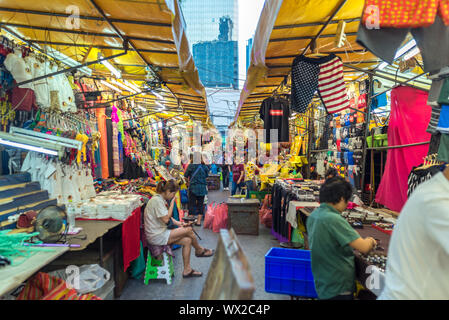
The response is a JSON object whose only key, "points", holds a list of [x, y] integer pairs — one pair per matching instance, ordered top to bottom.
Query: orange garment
{"points": [[405, 13], [101, 119]]}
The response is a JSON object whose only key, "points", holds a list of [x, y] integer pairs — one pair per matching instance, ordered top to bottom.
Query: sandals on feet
{"points": [[204, 255], [193, 274]]}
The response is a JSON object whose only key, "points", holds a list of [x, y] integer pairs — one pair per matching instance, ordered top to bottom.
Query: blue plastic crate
{"points": [[289, 271]]}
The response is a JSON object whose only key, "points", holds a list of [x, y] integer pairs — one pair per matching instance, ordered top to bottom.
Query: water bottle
{"points": [[71, 216]]}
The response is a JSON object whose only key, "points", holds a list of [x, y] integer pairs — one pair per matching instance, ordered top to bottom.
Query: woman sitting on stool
{"points": [[158, 215]]}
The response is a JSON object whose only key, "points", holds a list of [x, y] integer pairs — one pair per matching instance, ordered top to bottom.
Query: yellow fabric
{"points": [[296, 145], [250, 169]]}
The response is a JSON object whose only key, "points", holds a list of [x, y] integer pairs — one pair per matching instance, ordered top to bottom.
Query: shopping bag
{"points": [[184, 196], [220, 217], [209, 218], [267, 218]]}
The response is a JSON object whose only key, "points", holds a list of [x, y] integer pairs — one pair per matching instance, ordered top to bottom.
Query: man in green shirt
{"points": [[332, 240]]}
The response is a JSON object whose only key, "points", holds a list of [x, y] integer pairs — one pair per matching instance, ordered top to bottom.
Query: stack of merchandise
{"points": [[303, 190], [108, 205], [360, 216]]}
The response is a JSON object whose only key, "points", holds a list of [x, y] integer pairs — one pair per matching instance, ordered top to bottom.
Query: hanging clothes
{"points": [[405, 14], [431, 40], [323, 74], [275, 113], [409, 118], [101, 120], [110, 148], [115, 150]]}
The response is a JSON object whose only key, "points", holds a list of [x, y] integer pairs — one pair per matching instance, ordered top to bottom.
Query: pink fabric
{"points": [[410, 116]]}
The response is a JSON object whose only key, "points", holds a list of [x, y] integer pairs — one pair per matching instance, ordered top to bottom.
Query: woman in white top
{"points": [[158, 214]]}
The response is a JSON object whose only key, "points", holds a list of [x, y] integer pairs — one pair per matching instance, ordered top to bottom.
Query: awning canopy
{"points": [[80, 29], [286, 29]]}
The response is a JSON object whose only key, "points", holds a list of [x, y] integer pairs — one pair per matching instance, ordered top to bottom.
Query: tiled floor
{"points": [[254, 247]]}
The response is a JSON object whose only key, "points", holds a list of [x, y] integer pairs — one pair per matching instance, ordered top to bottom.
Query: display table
{"points": [[93, 229], [115, 255], [13, 276]]}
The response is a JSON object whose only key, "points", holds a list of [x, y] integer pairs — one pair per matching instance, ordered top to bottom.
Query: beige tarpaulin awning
{"points": [[81, 29], [285, 29]]}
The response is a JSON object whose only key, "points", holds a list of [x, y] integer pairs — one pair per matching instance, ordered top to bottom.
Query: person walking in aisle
{"points": [[225, 169], [197, 175], [237, 178], [159, 214], [331, 240], [418, 254]]}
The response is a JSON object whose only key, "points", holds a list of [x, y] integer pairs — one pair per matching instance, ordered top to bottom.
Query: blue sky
{"points": [[249, 13]]}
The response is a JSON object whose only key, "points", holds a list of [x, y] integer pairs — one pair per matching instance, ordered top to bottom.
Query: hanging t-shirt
{"points": [[275, 113]]}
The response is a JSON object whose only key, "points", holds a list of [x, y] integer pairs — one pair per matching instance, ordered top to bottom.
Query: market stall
{"points": [[90, 107], [345, 107]]}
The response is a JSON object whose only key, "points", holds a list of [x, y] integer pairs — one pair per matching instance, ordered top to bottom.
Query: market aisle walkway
{"points": [[254, 248]]}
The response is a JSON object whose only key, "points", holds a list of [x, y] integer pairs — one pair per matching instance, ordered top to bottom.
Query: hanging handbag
{"points": [[27, 219]]}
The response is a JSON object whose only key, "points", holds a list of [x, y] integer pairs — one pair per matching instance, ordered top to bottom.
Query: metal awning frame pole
{"points": [[342, 3], [82, 17], [109, 22], [125, 47], [374, 73], [419, 75], [107, 103], [367, 122], [400, 146]]}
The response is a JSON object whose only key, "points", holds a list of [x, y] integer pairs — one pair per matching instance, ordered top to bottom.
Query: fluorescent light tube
{"points": [[405, 48], [412, 53], [55, 54], [382, 65], [111, 68], [118, 83], [107, 84], [131, 85], [157, 95], [160, 105], [142, 108], [28, 147]]}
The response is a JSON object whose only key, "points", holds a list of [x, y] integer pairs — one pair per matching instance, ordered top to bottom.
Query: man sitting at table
{"points": [[331, 240]]}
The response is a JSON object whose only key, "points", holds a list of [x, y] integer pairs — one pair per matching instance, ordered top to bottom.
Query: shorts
{"points": [[385, 42], [323, 74], [160, 239]]}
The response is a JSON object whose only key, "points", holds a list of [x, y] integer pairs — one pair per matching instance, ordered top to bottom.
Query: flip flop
{"points": [[203, 254], [192, 274]]}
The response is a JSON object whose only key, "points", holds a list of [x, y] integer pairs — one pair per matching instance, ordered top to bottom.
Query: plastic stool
{"points": [[159, 269]]}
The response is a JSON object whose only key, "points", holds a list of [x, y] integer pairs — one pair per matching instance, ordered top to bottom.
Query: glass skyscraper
{"points": [[202, 18], [212, 31]]}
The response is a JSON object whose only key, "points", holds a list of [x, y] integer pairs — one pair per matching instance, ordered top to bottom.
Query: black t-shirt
{"points": [[275, 114]]}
